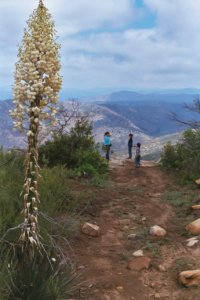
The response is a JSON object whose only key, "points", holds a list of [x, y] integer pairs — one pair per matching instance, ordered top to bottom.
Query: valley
{"points": [[148, 117]]}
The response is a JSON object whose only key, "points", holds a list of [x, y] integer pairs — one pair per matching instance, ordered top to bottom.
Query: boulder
{"points": [[196, 207], [194, 227], [91, 229], [157, 231], [139, 263], [189, 278]]}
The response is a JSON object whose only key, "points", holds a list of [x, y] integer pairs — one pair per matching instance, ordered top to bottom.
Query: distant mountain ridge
{"points": [[129, 96], [147, 116]]}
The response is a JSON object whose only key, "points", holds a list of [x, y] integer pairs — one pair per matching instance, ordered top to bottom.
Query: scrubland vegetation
{"points": [[183, 159], [65, 160]]}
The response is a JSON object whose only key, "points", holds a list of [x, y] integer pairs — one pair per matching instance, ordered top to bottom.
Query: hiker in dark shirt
{"points": [[130, 145]]}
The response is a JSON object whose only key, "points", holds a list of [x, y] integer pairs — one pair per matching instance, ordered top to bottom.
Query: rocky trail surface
{"points": [[126, 262]]}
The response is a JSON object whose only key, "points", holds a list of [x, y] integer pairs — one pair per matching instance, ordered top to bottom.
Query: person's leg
{"points": [[107, 152], [130, 152], [137, 161]]}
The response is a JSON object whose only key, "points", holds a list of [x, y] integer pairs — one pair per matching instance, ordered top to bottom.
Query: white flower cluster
{"points": [[37, 79]]}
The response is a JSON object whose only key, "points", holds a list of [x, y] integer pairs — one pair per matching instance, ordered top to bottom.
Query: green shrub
{"points": [[76, 150], [169, 156], [183, 158], [11, 182], [54, 188], [55, 193]]}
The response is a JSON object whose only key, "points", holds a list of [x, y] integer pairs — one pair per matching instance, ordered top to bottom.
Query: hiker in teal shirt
{"points": [[107, 144]]}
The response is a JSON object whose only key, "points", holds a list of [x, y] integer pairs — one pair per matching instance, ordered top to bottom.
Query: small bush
{"points": [[76, 151], [169, 157], [183, 159], [11, 182], [54, 187], [55, 193]]}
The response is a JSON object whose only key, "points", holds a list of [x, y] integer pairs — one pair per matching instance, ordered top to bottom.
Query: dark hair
{"points": [[106, 133], [130, 134], [138, 144]]}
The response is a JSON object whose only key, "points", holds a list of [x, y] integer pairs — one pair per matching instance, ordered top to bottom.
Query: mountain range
{"points": [[147, 116]]}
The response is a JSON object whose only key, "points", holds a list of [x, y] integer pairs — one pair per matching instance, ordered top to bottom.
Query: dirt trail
{"points": [[131, 204]]}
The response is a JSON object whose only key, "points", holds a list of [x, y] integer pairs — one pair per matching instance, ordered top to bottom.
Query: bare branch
{"points": [[195, 107], [71, 113], [190, 123]]}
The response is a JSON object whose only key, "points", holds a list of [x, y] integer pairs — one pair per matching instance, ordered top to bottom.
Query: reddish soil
{"points": [[131, 203]]}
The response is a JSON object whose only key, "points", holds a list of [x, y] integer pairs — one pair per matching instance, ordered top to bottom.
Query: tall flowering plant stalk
{"points": [[37, 83]]}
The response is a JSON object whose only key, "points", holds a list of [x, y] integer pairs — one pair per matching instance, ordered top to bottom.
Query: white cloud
{"points": [[178, 19], [101, 48]]}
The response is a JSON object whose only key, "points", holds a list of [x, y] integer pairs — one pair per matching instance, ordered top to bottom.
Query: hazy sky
{"points": [[111, 45]]}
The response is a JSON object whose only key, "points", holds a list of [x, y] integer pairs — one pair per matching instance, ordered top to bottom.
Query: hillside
{"points": [[146, 116]]}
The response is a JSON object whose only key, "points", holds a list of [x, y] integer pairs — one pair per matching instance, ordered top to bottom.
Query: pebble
{"points": [[132, 236], [138, 253], [161, 268], [120, 288]]}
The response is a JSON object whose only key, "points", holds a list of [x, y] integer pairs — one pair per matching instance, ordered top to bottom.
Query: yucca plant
{"points": [[37, 83], [32, 268]]}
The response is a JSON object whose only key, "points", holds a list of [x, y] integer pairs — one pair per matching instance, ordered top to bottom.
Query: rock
{"points": [[197, 181], [196, 207], [144, 219], [194, 227], [91, 229], [157, 231], [131, 236], [193, 238], [192, 241], [138, 253], [139, 263], [161, 268], [189, 278], [152, 284], [119, 288], [157, 296]]}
